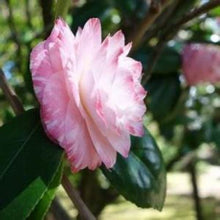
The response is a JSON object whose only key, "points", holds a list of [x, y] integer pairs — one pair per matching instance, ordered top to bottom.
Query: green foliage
{"points": [[62, 7], [132, 8], [100, 9], [182, 9], [215, 12], [169, 61], [163, 94], [216, 138], [29, 163], [141, 177], [42, 207]]}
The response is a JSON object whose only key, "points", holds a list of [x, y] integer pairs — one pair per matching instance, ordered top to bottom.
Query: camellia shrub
{"points": [[89, 86]]}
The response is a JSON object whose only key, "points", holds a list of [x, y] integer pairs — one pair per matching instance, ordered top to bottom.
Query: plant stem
{"points": [[155, 9], [193, 14], [47, 15], [163, 21], [171, 29], [14, 33], [153, 60], [10, 95], [195, 191], [58, 211], [84, 212]]}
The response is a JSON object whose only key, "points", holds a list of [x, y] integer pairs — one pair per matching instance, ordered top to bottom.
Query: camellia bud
{"points": [[201, 63]]}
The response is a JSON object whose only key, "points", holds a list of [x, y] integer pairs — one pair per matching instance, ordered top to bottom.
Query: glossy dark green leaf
{"points": [[163, 94], [28, 164], [141, 177], [42, 207]]}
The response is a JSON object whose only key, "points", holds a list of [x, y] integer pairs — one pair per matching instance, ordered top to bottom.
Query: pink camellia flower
{"points": [[218, 21], [201, 63], [90, 94]]}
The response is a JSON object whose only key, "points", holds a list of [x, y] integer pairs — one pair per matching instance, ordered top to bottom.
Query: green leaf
{"points": [[163, 93], [28, 164], [141, 177], [44, 204]]}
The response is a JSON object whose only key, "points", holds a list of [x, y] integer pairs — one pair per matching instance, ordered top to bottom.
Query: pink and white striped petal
{"points": [[90, 94]]}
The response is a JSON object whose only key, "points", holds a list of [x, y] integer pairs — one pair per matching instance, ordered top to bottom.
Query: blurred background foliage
{"points": [[184, 120]]}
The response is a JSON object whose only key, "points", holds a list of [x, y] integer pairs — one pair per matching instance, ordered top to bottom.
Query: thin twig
{"points": [[155, 9], [47, 13], [162, 22], [173, 28], [14, 33], [153, 60], [10, 95], [179, 105], [195, 190], [58, 211], [84, 212]]}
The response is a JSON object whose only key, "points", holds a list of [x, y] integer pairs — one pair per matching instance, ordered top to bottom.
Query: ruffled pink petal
{"points": [[88, 43], [115, 46], [50, 65], [41, 69], [94, 101], [95, 105], [109, 111], [63, 121], [102, 145]]}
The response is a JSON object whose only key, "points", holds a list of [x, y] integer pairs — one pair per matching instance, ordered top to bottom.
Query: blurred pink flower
{"points": [[218, 21], [201, 63], [89, 92]]}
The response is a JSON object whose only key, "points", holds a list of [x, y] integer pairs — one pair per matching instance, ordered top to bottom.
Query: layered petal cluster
{"points": [[201, 63], [89, 92]]}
